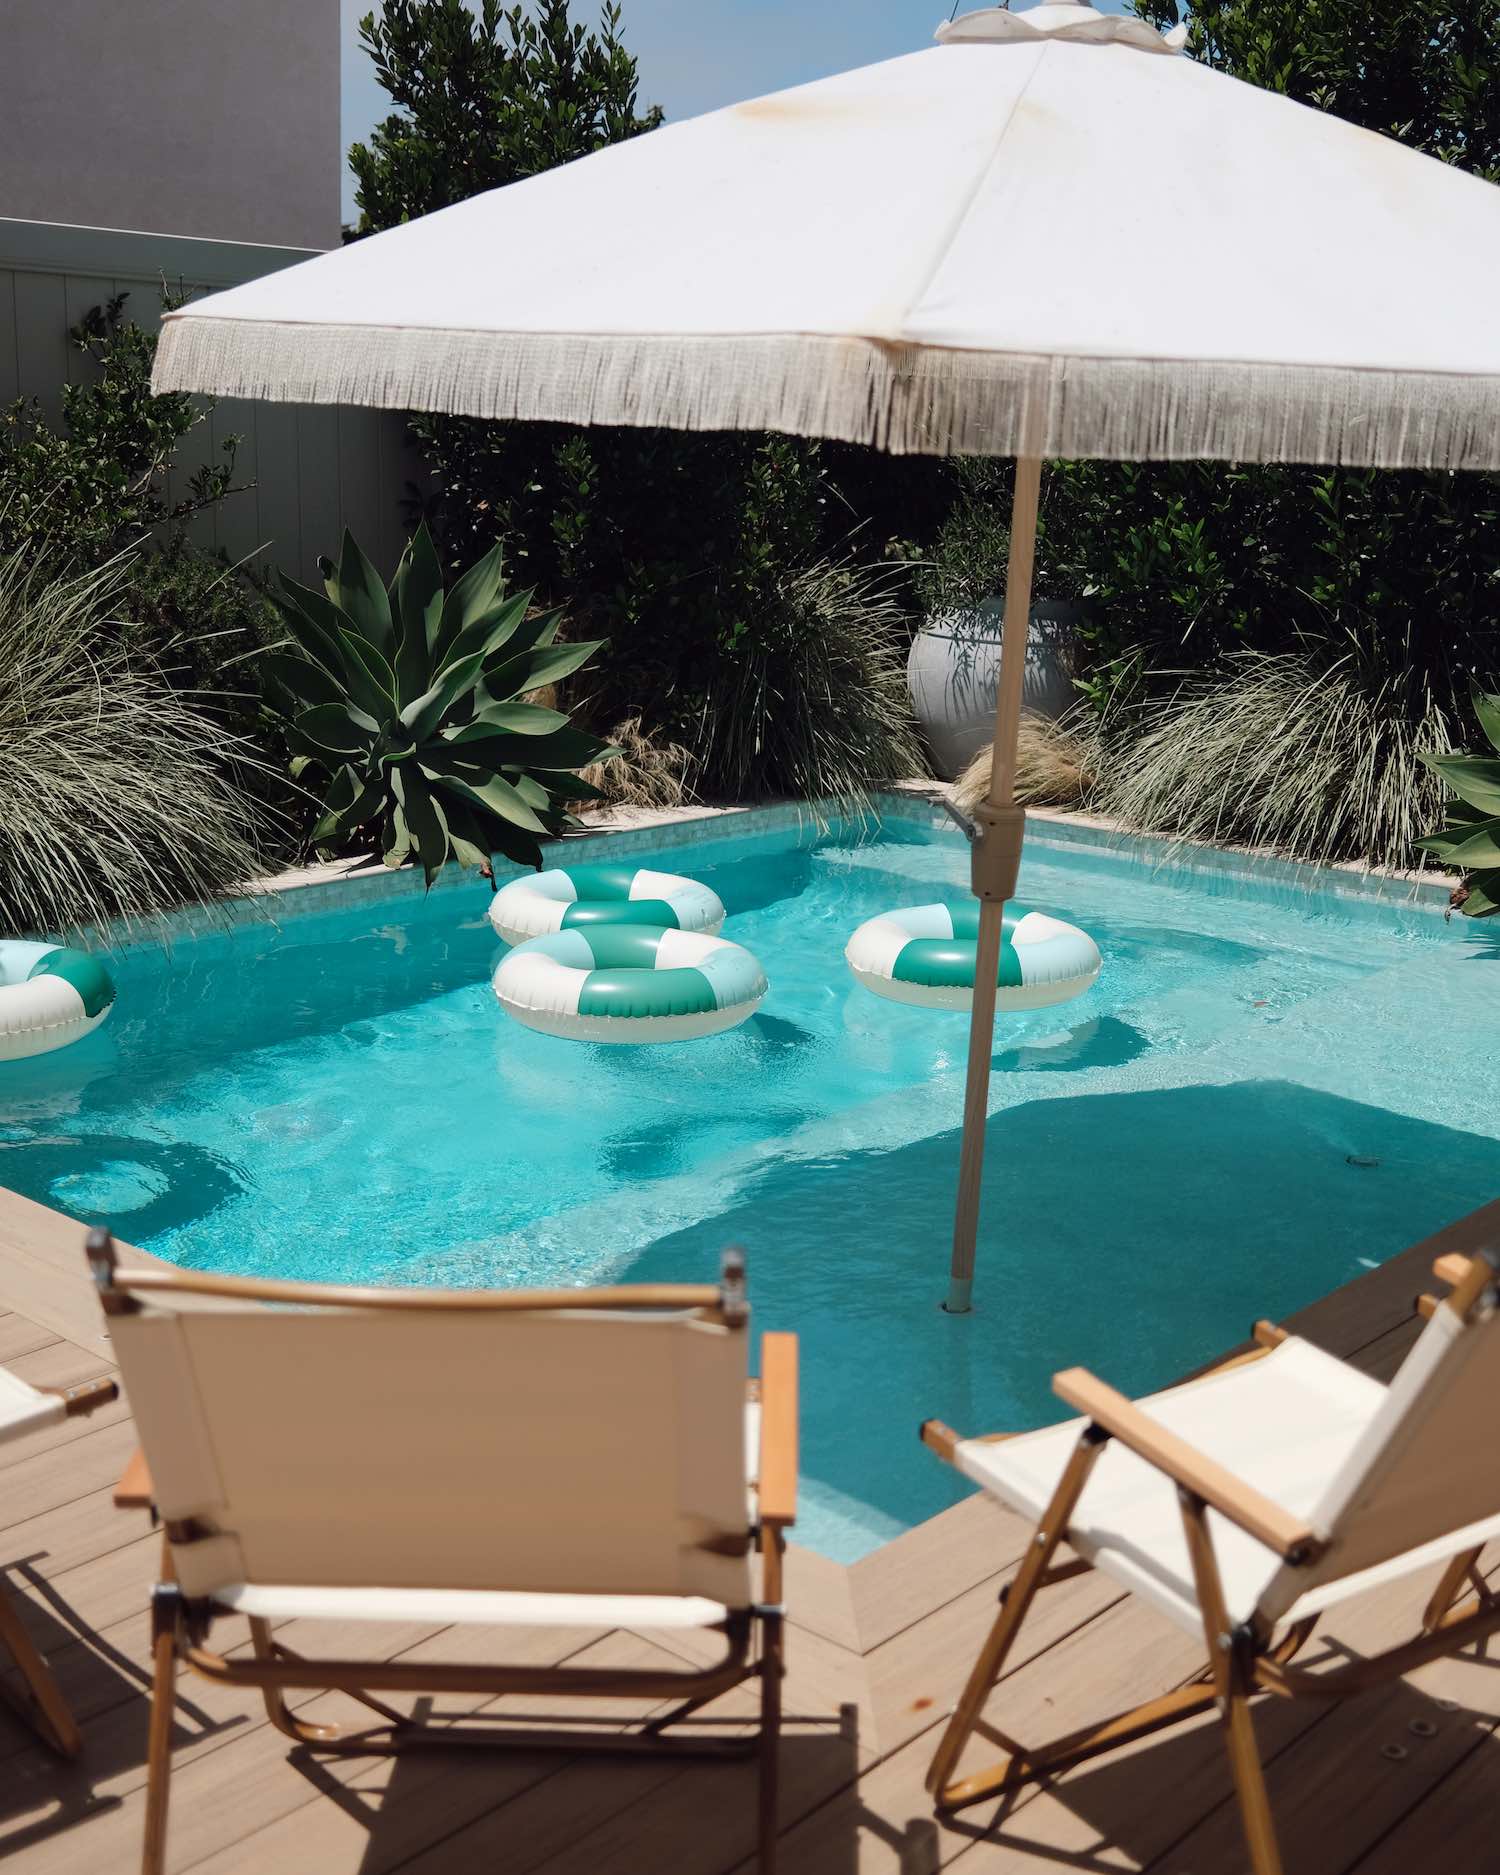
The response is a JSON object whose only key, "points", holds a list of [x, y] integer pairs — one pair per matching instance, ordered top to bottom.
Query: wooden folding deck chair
{"points": [[25, 1409], [585, 1458], [1242, 1505]]}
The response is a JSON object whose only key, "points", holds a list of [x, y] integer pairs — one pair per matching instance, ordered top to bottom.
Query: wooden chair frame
{"points": [[754, 1637], [1244, 1660], [38, 1700]]}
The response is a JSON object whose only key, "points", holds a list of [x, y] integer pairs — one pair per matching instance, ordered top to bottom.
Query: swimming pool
{"points": [[1265, 1092]]}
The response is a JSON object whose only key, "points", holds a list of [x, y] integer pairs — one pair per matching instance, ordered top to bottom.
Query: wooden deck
{"points": [[1402, 1780]]}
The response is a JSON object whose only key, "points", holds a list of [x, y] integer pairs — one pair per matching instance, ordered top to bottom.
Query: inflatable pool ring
{"points": [[569, 897], [925, 954], [629, 983], [49, 996]]}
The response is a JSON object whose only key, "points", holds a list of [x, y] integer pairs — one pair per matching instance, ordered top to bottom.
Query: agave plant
{"points": [[413, 703], [1470, 841]]}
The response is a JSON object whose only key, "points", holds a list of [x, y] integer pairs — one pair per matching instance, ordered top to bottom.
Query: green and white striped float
{"points": [[570, 897], [925, 954], [629, 983], [49, 996]]}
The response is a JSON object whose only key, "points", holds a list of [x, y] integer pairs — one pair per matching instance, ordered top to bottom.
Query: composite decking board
{"points": [[43, 1274], [20, 1335], [60, 1364], [81, 1457], [72, 1533], [941, 1559], [108, 1585], [818, 1596], [890, 1638], [1126, 1654], [104, 1666], [111, 1670], [1091, 1670], [916, 1675], [821, 1678], [211, 1718], [221, 1721], [820, 1771], [243, 1786], [1334, 1792], [1113, 1807], [547, 1819], [531, 1826], [1452, 1826], [400, 1832]]}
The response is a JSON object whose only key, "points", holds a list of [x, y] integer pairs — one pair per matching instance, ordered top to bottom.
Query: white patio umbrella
{"points": [[1047, 235]]}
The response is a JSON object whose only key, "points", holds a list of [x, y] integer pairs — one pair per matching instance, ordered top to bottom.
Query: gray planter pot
{"points": [[954, 669]]}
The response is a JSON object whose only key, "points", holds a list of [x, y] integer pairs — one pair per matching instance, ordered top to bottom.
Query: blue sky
{"points": [[696, 55]]}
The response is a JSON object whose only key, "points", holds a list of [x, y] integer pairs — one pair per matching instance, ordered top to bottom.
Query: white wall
{"points": [[215, 118], [316, 469]]}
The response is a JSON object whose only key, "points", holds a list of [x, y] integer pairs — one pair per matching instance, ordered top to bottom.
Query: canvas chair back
{"points": [[551, 1450], [1425, 1467]]}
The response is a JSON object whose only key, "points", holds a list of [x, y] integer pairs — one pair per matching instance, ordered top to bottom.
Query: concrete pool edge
{"points": [[1190, 860], [288, 896], [284, 897], [857, 1606]]}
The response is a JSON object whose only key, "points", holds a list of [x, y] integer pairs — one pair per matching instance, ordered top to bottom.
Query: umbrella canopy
{"points": [[935, 254], [897, 255]]}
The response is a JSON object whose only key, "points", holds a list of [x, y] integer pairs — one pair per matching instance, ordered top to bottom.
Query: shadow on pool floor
{"points": [[1100, 1042], [1136, 1233]]}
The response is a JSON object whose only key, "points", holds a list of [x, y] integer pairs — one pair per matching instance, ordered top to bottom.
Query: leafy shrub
{"points": [[1421, 71], [486, 96], [98, 484], [95, 487], [670, 545], [673, 546], [1193, 562], [966, 563], [1398, 571], [212, 618], [810, 696], [412, 703], [1282, 750], [1059, 763], [120, 794], [1471, 839]]}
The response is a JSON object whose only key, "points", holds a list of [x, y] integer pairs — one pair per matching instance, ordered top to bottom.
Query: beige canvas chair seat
{"points": [[24, 1408], [1285, 1425], [593, 1459], [1242, 1505], [492, 1607]]}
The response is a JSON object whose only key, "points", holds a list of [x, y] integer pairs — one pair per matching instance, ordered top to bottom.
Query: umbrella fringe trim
{"points": [[910, 400]]}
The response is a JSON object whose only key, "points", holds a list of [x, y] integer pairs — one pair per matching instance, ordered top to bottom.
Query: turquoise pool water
{"points": [[1265, 1092]]}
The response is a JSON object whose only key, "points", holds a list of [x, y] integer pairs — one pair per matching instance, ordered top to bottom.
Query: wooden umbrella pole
{"points": [[996, 861]]}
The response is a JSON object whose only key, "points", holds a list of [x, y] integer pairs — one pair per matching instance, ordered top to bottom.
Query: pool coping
{"points": [[1172, 854], [309, 890]]}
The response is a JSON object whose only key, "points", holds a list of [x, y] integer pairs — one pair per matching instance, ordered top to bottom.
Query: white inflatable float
{"points": [[570, 898], [925, 954], [629, 983], [50, 995]]}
